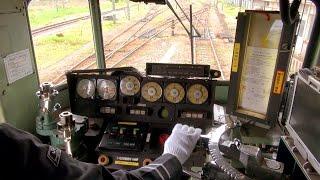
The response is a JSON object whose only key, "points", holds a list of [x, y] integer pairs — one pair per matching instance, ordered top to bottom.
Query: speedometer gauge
{"points": [[129, 85], [86, 88], [106, 89], [151, 91], [174, 93], [197, 94]]}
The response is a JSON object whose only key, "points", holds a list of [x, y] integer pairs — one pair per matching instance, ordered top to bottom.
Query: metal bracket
{"points": [[179, 19]]}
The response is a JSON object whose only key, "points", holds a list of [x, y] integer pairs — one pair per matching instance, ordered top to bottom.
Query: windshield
{"points": [[136, 33]]}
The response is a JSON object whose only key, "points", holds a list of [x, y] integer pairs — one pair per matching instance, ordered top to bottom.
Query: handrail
{"points": [[289, 14], [312, 56]]}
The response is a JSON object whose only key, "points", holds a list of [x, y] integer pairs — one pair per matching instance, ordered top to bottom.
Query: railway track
{"points": [[41, 30], [151, 33], [147, 35], [139, 38], [116, 43], [202, 55]]}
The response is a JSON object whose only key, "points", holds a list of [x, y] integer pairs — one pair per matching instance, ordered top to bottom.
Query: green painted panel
{"points": [[8, 6], [221, 94], [63, 98], [18, 103], [1, 114]]}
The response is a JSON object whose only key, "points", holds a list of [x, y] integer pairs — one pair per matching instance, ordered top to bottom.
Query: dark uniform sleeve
{"points": [[23, 156]]}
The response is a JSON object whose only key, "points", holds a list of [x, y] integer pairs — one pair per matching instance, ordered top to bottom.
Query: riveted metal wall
{"points": [[18, 103]]}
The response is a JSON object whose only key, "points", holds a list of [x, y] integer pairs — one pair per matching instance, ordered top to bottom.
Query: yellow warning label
{"points": [[235, 59], [278, 83], [128, 123], [126, 163]]}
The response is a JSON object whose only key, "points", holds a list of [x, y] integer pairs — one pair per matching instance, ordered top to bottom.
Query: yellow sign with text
{"points": [[235, 58], [278, 83], [127, 163]]}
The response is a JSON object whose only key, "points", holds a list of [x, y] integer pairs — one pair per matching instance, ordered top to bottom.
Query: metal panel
{"points": [[12, 6], [221, 92], [17, 101], [1, 114], [304, 117]]}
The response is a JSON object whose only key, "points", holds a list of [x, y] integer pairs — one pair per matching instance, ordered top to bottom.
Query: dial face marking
{"points": [[129, 85], [86, 88], [106, 89], [151, 91], [174, 92], [197, 94]]}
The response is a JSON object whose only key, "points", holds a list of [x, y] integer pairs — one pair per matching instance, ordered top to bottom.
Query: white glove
{"points": [[182, 141]]}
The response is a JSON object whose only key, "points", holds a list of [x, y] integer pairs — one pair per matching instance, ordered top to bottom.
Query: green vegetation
{"points": [[230, 10], [135, 13], [41, 15], [40, 18], [51, 48]]}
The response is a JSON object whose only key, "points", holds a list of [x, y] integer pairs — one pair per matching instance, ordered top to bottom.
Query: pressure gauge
{"points": [[129, 85], [86, 88], [106, 89], [151, 91], [174, 93], [197, 94]]}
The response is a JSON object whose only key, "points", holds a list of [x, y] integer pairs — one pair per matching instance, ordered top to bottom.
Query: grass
{"points": [[230, 10], [134, 12], [44, 14], [52, 48]]}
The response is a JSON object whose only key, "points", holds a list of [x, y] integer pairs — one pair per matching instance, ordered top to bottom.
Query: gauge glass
{"points": [[129, 85], [86, 88], [107, 89], [151, 91], [174, 92], [197, 94]]}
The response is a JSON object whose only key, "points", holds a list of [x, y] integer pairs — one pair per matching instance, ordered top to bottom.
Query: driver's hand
{"points": [[182, 141]]}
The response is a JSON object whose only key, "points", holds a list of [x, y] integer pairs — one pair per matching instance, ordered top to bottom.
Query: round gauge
{"points": [[129, 85], [85, 88], [106, 89], [151, 91], [174, 93], [197, 94]]}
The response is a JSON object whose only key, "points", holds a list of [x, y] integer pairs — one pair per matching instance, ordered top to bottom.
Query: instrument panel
{"points": [[119, 94], [138, 111]]}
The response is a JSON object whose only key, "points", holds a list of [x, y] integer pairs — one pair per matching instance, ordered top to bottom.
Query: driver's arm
{"points": [[22, 155]]}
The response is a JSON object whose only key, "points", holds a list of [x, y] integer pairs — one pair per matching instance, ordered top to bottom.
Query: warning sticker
{"points": [[235, 59], [278, 82]]}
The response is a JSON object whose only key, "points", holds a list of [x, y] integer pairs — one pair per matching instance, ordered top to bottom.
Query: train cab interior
{"points": [[259, 121]]}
